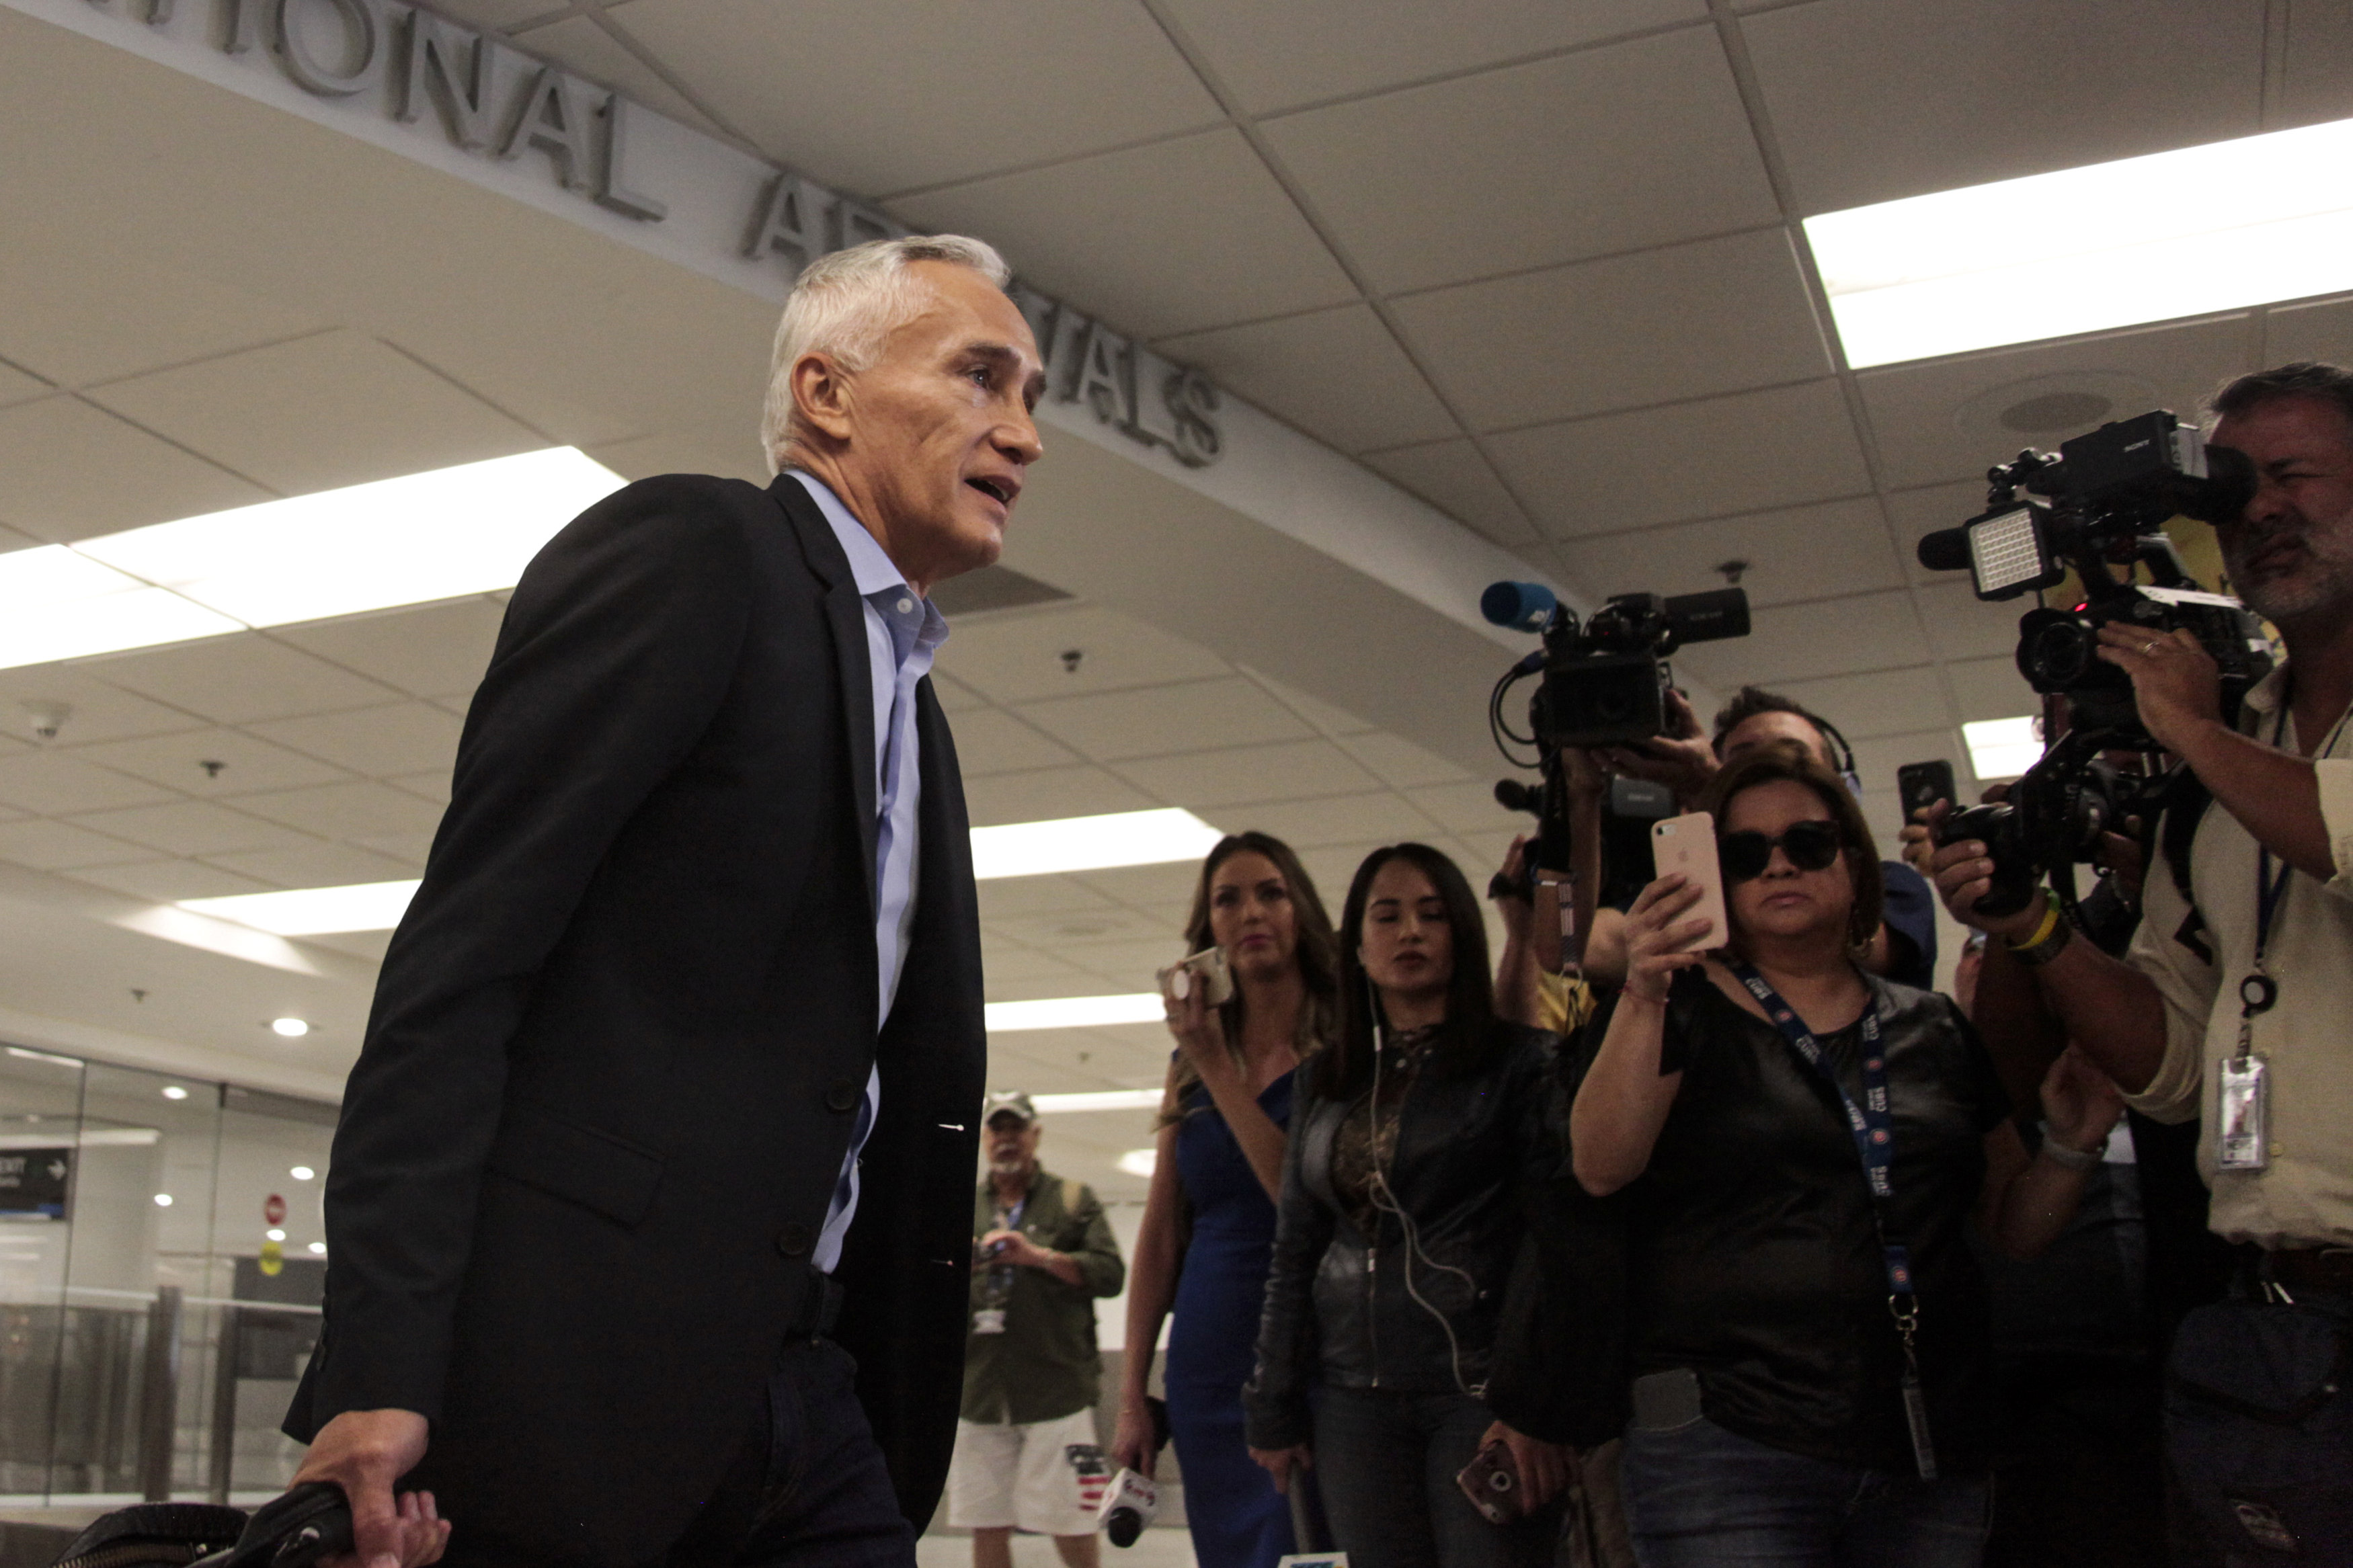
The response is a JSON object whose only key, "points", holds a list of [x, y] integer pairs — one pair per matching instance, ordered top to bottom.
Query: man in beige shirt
{"points": [[2255, 1426]]}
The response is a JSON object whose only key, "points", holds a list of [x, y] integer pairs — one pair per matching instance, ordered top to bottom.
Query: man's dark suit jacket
{"points": [[620, 1039]]}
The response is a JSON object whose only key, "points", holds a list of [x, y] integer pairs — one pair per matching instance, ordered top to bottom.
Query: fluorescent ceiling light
{"points": [[2217, 227], [408, 541], [2003, 748], [1090, 843], [1016, 849], [313, 911], [1077, 1013], [1098, 1099], [1140, 1162]]}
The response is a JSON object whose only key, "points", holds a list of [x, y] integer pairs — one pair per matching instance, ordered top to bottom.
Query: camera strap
{"points": [[1872, 1125]]}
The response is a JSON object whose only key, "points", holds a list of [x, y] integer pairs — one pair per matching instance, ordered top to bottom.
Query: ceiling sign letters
{"points": [[493, 102]]}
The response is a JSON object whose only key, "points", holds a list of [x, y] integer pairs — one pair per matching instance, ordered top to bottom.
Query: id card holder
{"points": [[2243, 1108], [988, 1321]]}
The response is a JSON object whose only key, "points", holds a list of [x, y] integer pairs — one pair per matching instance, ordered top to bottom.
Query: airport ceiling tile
{"points": [[1274, 58], [941, 98], [1873, 100], [1640, 144], [1177, 236], [1689, 321], [1337, 374], [317, 414], [1950, 419], [1779, 447], [70, 470], [1454, 476], [1790, 553], [1846, 636], [426, 650], [1018, 657], [241, 677], [1878, 702], [1156, 720], [400, 738], [992, 740], [178, 762], [1238, 777], [54, 783], [1048, 793], [354, 809], [190, 827], [42, 845], [169, 881]]}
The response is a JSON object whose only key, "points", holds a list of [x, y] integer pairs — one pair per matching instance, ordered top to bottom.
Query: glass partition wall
{"points": [[161, 1256]]}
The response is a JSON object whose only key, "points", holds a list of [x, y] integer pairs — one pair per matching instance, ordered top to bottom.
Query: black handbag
{"points": [[295, 1530]]}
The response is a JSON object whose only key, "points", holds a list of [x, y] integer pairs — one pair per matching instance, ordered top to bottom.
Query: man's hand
{"points": [[2177, 686], [1681, 759], [1962, 873], [2082, 1103], [1012, 1246], [365, 1452], [1278, 1462], [1545, 1468]]}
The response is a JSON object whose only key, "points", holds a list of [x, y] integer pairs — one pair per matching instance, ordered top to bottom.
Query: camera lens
{"points": [[2057, 654]]}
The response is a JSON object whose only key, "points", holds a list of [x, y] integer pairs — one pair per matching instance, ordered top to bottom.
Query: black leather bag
{"points": [[295, 1530]]}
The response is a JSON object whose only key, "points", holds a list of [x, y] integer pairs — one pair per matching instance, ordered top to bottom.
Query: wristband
{"points": [[2050, 939], [2068, 1159]]}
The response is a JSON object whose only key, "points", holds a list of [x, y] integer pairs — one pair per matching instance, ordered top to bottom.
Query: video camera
{"points": [[2102, 502], [1606, 677], [1606, 680]]}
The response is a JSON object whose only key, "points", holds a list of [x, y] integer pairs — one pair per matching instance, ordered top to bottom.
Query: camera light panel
{"points": [[2006, 556]]}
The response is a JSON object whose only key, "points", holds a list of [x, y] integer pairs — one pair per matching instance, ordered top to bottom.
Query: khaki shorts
{"points": [[1046, 1476]]}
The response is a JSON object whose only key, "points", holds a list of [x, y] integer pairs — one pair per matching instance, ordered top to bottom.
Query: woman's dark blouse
{"points": [[1754, 1256]]}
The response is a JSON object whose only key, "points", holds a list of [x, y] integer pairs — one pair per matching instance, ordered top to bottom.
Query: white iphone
{"points": [[1687, 844]]}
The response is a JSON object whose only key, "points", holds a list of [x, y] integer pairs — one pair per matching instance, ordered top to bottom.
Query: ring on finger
{"points": [[2149, 647]]}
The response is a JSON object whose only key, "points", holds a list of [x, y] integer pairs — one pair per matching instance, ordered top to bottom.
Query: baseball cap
{"points": [[1014, 1104]]}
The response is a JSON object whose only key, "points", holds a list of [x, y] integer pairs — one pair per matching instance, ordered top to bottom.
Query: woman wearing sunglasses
{"points": [[1803, 1143]]}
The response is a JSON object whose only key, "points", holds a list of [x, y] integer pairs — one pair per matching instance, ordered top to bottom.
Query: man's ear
{"points": [[823, 400]]}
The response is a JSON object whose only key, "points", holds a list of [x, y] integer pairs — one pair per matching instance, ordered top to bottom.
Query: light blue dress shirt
{"points": [[902, 631]]}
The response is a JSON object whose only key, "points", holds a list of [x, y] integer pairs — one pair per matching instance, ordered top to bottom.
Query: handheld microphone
{"points": [[1129, 1503]]}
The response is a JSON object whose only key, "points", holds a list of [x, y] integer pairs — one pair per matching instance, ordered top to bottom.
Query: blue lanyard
{"points": [[1872, 1125]]}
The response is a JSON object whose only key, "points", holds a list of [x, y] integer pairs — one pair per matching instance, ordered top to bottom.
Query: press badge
{"points": [[2244, 1141], [988, 1321]]}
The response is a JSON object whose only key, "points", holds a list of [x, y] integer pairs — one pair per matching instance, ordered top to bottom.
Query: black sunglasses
{"points": [[1811, 847]]}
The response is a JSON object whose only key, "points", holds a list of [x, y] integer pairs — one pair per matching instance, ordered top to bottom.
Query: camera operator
{"points": [[1903, 949], [2232, 1001]]}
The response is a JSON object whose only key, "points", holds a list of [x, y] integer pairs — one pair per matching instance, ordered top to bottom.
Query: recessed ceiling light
{"points": [[2217, 227], [406, 541], [2003, 748], [1090, 843], [1016, 849], [1076, 1013], [292, 1028], [173, 1091], [1139, 1161], [302, 1173], [163, 1200], [273, 1234], [319, 1248]]}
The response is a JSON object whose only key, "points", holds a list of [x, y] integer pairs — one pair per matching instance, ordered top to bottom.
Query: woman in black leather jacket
{"points": [[1802, 1144], [1398, 1221]]}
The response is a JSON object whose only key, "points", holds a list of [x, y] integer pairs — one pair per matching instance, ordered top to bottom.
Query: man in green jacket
{"points": [[1026, 1454]]}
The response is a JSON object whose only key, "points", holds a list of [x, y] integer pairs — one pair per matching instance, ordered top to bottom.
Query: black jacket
{"points": [[620, 1037], [1338, 1305]]}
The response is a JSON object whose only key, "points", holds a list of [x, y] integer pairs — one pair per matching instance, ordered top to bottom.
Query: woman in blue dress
{"points": [[1208, 1222]]}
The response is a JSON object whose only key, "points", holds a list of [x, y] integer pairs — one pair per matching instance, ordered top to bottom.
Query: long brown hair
{"points": [[1787, 760], [1315, 948], [1469, 992]]}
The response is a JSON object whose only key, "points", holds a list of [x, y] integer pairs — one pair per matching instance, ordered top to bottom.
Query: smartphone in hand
{"points": [[1923, 785], [1687, 844], [1491, 1481]]}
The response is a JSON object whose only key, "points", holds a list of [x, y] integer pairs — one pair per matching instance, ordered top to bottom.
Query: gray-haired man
{"points": [[698, 928]]}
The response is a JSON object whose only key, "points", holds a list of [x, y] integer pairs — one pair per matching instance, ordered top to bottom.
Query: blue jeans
{"points": [[1384, 1465], [1700, 1497]]}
